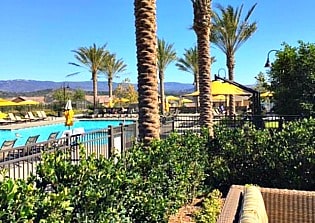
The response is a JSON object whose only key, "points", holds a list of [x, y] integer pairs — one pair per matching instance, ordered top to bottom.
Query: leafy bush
{"points": [[270, 158], [144, 185], [211, 208]]}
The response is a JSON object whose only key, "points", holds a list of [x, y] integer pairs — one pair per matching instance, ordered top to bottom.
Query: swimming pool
{"points": [[43, 131]]}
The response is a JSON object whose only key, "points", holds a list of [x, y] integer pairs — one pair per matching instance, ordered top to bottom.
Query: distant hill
{"points": [[24, 86]]}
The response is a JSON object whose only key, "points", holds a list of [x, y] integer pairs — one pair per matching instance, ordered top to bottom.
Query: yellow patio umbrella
{"points": [[221, 88], [224, 88], [193, 94], [266, 94], [218, 97], [172, 98], [121, 100], [186, 100], [4, 102], [27, 102], [110, 103], [3, 115]]}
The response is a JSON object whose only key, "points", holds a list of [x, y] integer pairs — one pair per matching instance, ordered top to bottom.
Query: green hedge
{"points": [[269, 158], [146, 185]]}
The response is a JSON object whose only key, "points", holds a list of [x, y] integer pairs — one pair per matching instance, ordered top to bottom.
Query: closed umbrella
{"points": [[69, 114]]}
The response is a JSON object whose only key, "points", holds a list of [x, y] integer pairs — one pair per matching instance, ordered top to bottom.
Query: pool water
{"points": [[43, 131]]}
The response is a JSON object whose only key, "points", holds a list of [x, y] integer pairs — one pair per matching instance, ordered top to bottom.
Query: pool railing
{"points": [[21, 161]]}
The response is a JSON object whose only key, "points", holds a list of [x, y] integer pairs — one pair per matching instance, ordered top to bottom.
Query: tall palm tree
{"points": [[201, 26], [228, 33], [146, 43], [165, 55], [93, 58], [189, 63], [111, 68]]}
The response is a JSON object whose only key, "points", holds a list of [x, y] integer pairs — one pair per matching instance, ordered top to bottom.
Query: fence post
{"points": [[173, 123], [122, 139], [110, 140]]}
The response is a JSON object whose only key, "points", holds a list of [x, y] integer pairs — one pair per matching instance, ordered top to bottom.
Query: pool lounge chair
{"points": [[44, 114], [41, 116], [31, 117], [4, 121], [51, 141], [7, 144], [30, 146]]}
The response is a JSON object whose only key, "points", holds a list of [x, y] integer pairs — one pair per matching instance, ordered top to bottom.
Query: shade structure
{"points": [[266, 94], [218, 97], [172, 98], [27, 102], [69, 114]]}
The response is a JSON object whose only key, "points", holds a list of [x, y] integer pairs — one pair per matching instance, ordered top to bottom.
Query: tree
{"points": [[201, 26], [228, 33], [146, 43], [165, 55], [93, 58], [189, 63], [111, 68], [292, 78], [261, 83], [126, 90], [78, 95]]}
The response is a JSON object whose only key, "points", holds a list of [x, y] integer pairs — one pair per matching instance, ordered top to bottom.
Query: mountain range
{"points": [[24, 86]]}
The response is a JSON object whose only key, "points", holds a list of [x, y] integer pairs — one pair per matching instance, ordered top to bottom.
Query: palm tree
{"points": [[201, 26], [229, 32], [146, 43], [165, 55], [93, 58], [189, 63], [111, 68]]}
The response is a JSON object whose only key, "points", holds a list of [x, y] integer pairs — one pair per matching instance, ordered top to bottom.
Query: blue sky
{"points": [[37, 36]]}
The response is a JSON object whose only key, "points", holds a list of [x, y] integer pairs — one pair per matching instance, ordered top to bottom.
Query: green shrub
{"points": [[270, 158], [144, 185], [211, 208]]}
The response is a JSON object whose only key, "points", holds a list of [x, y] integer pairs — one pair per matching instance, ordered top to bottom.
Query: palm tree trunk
{"points": [[202, 14], [146, 42], [230, 65], [110, 87], [162, 92], [95, 99]]}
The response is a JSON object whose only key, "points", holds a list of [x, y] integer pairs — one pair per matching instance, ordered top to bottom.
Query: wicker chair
{"points": [[282, 205]]}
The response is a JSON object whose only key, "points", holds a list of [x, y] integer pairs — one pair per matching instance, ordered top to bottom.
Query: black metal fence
{"points": [[20, 162]]}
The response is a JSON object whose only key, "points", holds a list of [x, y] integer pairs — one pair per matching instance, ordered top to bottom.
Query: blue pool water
{"points": [[43, 131]]}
